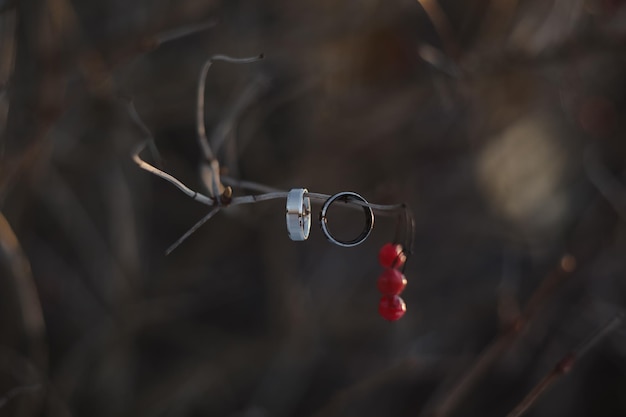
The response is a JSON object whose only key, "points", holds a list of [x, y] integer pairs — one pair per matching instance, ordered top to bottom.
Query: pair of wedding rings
{"points": [[299, 216]]}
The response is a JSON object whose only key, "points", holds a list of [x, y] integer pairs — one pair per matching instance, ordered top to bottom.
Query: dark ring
{"points": [[369, 219]]}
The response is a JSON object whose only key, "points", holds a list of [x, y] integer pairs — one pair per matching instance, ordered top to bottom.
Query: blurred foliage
{"points": [[500, 123]]}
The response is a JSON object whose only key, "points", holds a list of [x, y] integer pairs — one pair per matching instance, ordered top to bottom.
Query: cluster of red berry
{"points": [[391, 282]]}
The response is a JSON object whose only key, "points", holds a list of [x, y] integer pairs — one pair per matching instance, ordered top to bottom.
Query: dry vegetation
{"points": [[500, 122]]}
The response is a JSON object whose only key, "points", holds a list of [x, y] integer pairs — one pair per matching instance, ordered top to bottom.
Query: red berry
{"points": [[391, 256], [391, 282], [391, 307]]}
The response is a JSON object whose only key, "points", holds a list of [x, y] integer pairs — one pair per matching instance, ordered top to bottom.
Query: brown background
{"points": [[501, 125]]}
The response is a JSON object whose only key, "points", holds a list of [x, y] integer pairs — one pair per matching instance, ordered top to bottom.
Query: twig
{"points": [[442, 25], [178, 33], [438, 60], [244, 100], [200, 124], [146, 132], [212, 168], [153, 170], [249, 185], [270, 193], [192, 230], [97, 257], [25, 289], [497, 347], [564, 366]]}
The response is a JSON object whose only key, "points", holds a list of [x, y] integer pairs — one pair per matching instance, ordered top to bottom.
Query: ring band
{"points": [[298, 214], [369, 219]]}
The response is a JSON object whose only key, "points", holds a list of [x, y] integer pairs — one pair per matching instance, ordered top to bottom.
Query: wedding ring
{"points": [[298, 214], [369, 219]]}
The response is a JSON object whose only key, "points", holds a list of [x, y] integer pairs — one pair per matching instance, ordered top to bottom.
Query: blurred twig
{"points": [[442, 25], [181, 32], [205, 145], [210, 149], [249, 199], [192, 230], [96, 257], [26, 293], [564, 366], [452, 397]]}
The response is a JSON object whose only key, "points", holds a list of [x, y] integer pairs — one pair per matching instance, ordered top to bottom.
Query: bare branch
{"points": [[442, 25], [174, 34], [200, 124], [153, 170], [215, 187], [273, 195], [192, 230], [564, 366], [451, 398]]}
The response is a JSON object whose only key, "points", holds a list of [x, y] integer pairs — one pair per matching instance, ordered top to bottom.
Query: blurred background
{"points": [[499, 122]]}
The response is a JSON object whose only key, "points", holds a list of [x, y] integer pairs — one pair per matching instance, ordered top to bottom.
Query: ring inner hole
{"points": [[345, 222]]}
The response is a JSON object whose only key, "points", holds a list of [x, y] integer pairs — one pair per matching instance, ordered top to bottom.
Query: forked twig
{"points": [[184, 31], [212, 168], [270, 194], [219, 196], [255, 198], [21, 278], [564, 366]]}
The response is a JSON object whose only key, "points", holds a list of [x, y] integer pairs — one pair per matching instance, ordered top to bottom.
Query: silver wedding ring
{"points": [[298, 214], [369, 219]]}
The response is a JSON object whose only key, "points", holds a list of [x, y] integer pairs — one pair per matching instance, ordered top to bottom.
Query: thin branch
{"points": [[442, 25], [174, 34], [245, 99], [200, 124], [146, 132], [209, 154], [211, 169], [153, 170], [249, 185], [270, 193], [273, 195], [192, 230], [21, 278], [595, 338], [499, 346], [564, 366]]}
